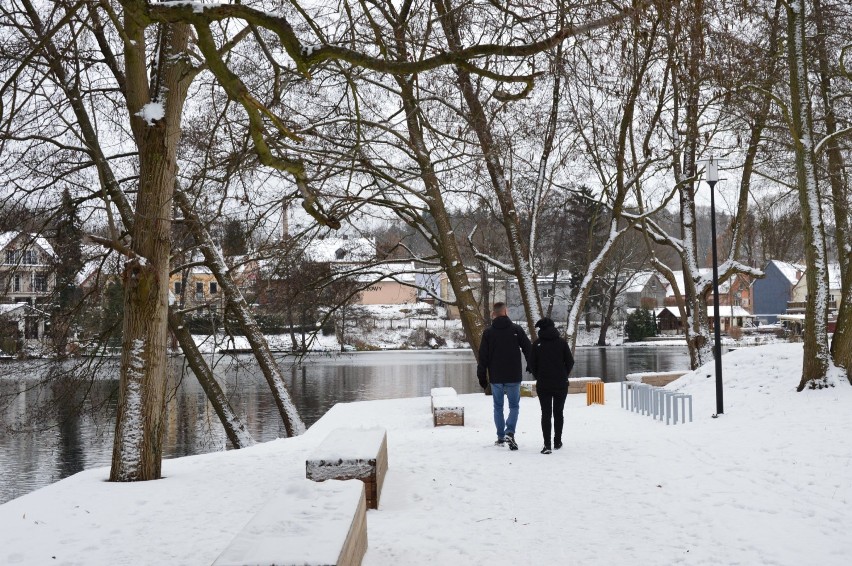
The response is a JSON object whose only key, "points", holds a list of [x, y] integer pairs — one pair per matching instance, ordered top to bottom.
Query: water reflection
{"points": [[76, 431]]}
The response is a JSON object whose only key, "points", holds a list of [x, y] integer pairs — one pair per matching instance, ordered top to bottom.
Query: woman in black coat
{"points": [[551, 362]]}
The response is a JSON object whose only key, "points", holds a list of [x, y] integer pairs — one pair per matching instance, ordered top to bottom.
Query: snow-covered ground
{"points": [[766, 483]]}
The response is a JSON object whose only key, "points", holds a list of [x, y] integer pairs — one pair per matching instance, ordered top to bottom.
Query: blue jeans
{"points": [[513, 392]]}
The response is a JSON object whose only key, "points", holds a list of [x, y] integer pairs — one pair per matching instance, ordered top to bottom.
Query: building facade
{"points": [[27, 281], [772, 293]]}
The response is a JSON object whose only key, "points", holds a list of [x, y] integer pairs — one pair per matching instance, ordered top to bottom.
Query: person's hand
{"points": [[482, 383]]}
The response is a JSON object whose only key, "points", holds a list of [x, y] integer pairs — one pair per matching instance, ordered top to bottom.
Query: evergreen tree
{"points": [[69, 235], [235, 241], [69, 262], [640, 324]]}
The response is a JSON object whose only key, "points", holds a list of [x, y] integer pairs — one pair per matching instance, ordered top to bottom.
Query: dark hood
{"points": [[501, 322], [548, 333]]}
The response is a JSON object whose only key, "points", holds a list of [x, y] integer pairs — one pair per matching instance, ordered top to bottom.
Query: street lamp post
{"points": [[713, 178]]}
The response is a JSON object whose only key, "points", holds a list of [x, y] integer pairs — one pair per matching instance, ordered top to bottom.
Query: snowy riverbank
{"points": [[437, 335], [764, 484]]}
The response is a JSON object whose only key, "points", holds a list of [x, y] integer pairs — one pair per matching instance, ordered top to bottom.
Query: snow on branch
{"points": [[827, 139], [506, 268]]}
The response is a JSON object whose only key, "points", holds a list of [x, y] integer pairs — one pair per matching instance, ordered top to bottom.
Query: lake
{"points": [[76, 427]]}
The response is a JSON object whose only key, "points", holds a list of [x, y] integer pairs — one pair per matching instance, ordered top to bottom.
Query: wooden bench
{"points": [[578, 384], [528, 389], [594, 393], [447, 410], [347, 454], [307, 524]]}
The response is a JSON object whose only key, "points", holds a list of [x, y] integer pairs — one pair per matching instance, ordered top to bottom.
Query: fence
{"points": [[391, 323]]}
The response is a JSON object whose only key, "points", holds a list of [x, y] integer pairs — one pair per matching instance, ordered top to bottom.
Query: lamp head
{"points": [[712, 170]]}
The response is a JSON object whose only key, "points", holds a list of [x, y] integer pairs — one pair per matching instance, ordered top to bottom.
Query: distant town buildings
{"points": [[28, 284]]}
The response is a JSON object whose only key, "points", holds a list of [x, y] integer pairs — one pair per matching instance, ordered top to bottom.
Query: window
{"points": [[11, 257], [29, 258], [16, 282], [40, 283], [178, 287], [199, 288], [214, 288]]}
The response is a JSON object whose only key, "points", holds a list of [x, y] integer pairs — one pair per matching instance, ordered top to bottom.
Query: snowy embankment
{"points": [[766, 483]]}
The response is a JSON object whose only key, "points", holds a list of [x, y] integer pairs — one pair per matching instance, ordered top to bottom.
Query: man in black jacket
{"points": [[500, 363]]}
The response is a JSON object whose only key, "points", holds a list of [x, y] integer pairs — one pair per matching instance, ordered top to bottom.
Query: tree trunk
{"points": [[687, 91], [479, 122], [444, 236], [238, 306], [606, 320], [841, 342], [816, 354], [140, 418], [234, 427]]}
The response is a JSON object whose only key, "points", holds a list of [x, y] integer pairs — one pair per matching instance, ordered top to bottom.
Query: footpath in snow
{"points": [[767, 483]]}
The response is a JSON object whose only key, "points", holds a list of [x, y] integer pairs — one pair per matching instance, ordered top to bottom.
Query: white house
{"points": [[26, 268]]}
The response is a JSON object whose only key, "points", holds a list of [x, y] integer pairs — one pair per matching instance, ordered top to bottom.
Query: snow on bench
{"points": [[655, 378], [578, 384], [441, 392], [447, 410], [346, 454], [307, 524]]}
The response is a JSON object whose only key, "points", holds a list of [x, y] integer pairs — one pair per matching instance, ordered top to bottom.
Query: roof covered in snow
{"points": [[7, 238], [341, 250], [792, 271], [639, 280], [7, 308]]}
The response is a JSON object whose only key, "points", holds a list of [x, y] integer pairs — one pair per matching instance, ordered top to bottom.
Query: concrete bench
{"points": [[578, 384], [447, 411], [347, 454], [307, 524]]}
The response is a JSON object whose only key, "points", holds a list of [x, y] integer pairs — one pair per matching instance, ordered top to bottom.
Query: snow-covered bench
{"points": [[655, 378], [578, 384], [441, 392], [346, 454], [307, 524]]}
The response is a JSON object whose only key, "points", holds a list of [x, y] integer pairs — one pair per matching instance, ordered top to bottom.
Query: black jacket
{"points": [[499, 358], [551, 360]]}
